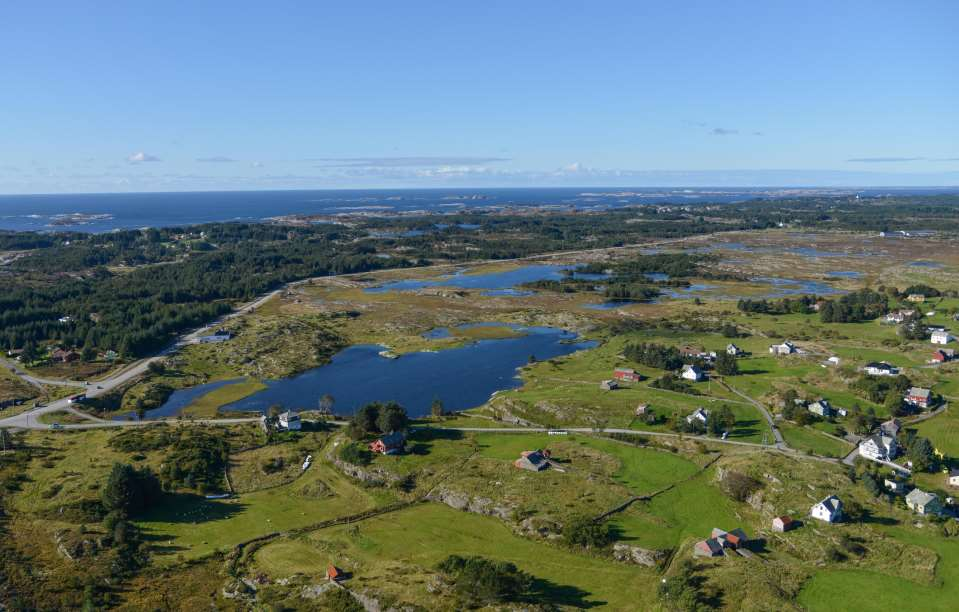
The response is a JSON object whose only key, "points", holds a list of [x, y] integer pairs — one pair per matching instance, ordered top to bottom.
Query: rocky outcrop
{"points": [[373, 476], [477, 505], [73, 545], [637, 555]]}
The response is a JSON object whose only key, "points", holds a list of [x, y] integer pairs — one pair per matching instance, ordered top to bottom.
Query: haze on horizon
{"points": [[115, 96]]}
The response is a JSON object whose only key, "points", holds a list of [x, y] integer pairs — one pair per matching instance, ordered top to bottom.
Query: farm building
{"points": [[608, 385], [783, 523]]}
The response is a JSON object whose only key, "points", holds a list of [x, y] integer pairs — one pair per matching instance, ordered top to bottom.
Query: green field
{"points": [[808, 439], [191, 526], [417, 539]]}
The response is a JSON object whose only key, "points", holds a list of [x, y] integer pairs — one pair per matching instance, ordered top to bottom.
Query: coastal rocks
{"points": [[477, 505], [637, 555]]}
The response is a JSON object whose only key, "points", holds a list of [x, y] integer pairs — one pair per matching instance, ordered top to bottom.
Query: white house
{"points": [[899, 316], [218, 336], [941, 337], [786, 348], [732, 349], [880, 368], [692, 372], [918, 397], [822, 408], [701, 414], [289, 421], [879, 448], [953, 478], [895, 486], [922, 502], [828, 510]]}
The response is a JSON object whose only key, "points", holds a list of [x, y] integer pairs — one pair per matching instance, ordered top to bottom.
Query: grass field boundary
{"points": [[648, 496]]}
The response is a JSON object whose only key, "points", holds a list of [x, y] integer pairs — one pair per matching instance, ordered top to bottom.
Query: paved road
{"points": [[36, 381]]}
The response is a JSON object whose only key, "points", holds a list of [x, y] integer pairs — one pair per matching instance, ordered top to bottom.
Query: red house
{"points": [[943, 355], [627, 375], [390, 444], [333, 573]]}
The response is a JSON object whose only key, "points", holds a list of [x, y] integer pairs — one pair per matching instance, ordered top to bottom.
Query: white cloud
{"points": [[141, 157]]}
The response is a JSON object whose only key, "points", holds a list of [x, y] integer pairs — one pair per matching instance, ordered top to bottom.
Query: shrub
{"points": [[355, 454], [739, 486], [584, 531], [481, 582], [339, 600]]}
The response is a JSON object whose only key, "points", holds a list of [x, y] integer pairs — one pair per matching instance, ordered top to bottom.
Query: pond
{"points": [[925, 264], [844, 274], [507, 279], [783, 287], [463, 377]]}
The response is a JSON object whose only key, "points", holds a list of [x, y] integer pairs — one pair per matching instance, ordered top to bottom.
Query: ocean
{"points": [[107, 212]]}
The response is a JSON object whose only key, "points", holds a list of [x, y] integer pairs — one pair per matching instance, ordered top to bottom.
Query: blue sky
{"points": [[161, 96]]}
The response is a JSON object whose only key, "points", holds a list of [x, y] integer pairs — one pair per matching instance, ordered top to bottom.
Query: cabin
{"points": [[916, 298], [941, 336], [786, 348], [880, 368], [692, 372], [627, 375], [608, 385], [918, 397], [822, 408], [644, 410], [700, 414], [288, 421], [391, 444], [879, 448], [533, 461], [924, 503], [828, 510], [783, 523], [708, 548]]}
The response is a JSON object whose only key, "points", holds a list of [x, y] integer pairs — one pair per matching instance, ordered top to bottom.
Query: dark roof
{"points": [[394, 440]]}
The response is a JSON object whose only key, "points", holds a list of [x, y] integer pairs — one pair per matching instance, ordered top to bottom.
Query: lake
{"points": [[493, 281], [463, 377]]}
